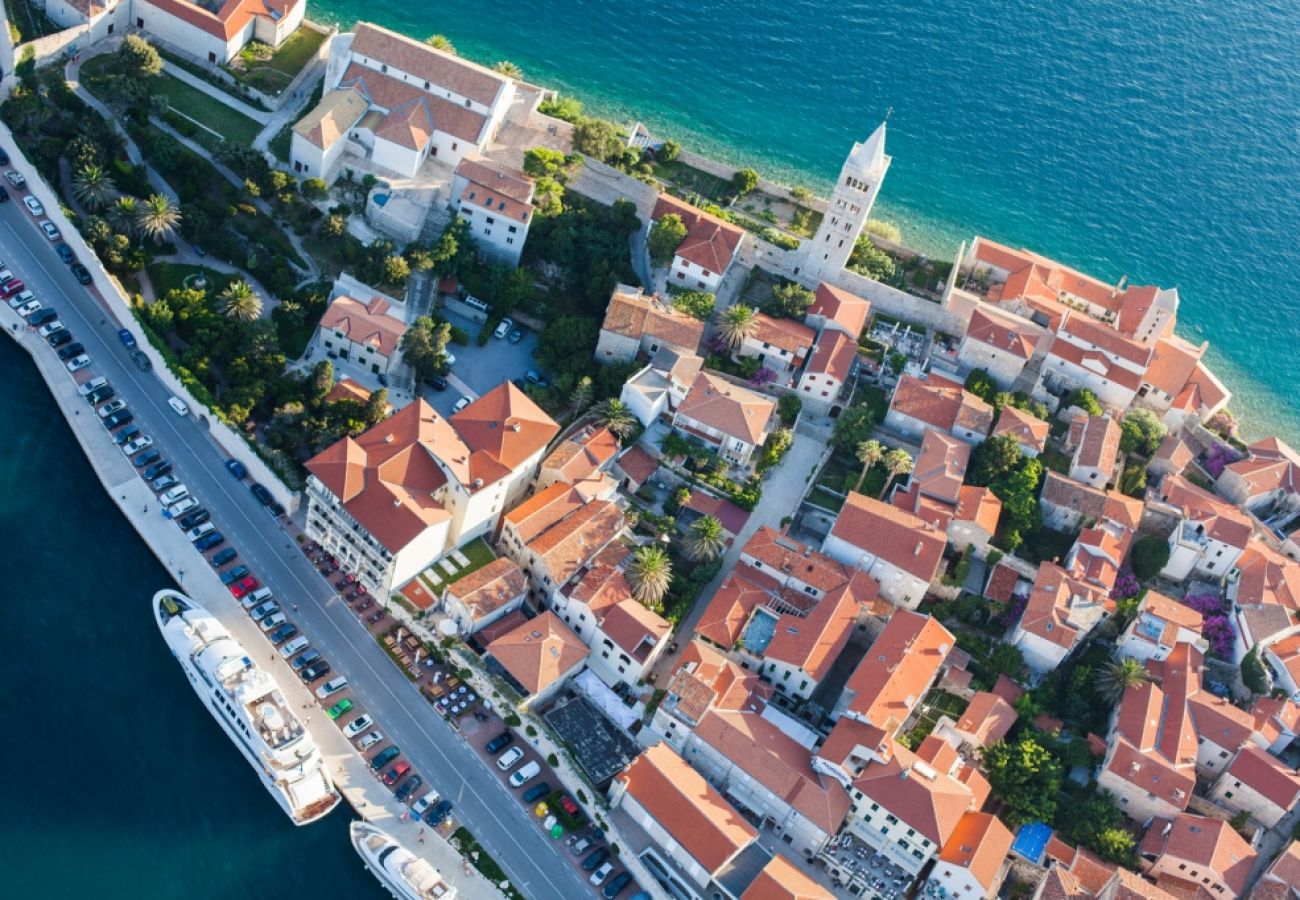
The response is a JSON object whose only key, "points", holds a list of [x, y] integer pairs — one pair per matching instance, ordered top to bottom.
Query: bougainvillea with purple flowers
{"points": [[763, 376], [1219, 457], [1126, 585], [1205, 604], [1015, 609], [1218, 630]]}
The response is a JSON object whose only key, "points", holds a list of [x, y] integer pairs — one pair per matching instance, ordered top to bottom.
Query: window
{"points": [[383, 67], [426, 85], [491, 221], [512, 229], [510, 240]]}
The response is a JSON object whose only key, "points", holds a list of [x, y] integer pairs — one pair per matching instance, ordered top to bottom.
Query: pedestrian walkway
{"points": [[216, 93], [291, 110], [190, 257]]}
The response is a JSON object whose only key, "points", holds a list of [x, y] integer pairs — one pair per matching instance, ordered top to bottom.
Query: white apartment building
{"points": [[497, 202]]}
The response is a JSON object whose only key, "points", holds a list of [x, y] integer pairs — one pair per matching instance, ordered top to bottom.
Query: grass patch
{"points": [[28, 21], [273, 75], [196, 105], [282, 143], [693, 181], [166, 277], [1055, 460], [819, 496], [478, 553], [469, 848]]}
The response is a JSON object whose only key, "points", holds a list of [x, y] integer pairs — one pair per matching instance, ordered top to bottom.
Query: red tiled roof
{"points": [[229, 19], [440, 69], [411, 108], [496, 186], [710, 243], [837, 305], [633, 314], [364, 323], [1004, 331], [785, 334], [835, 354], [942, 403], [733, 410], [505, 425], [1027, 429], [1100, 443], [583, 454], [638, 465], [940, 467], [732, 517], [1223, 521], [893, 535], [785, 559], [1268, 577], [486, 590], [813, 643], [539, 652], [899, 668], [987, 719], [1266, 775], [934, 806], [979, 844], [1209, 844], [780, 880]]}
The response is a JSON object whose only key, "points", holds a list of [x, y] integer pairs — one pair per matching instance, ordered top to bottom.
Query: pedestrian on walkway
{"points": [[295, 607]]}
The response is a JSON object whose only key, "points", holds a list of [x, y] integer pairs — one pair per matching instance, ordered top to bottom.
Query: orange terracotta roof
{"points": [[228, 19], [439, 68], [408, 115], [331, 119], [498, 187], [710, 243], [837, 305], [632, 314], [364, 323], [1006, 332], [785, 334], [1106, 338], [835, 355], [1098, 362], [1173, 363], [347, 389], [942, 403], [733, 410], [506, 426], [1027, 429], [1100, 444], [583, 454], [638, 465], [1272, 465], [940, 467], [387, 476], [1060, 490], [981, 506], [542, 510], [732, 517], [1223, 521], [893, 535], [572, 542], [784, 558], [1268, 577], [486, 590], [741, 592], [1055, 592], [418, 594], [635, 629], [813, 642], [539, 652], [895, 673], [706, 679], [987, 719], [847, 735], [778, 762], [1266, 775], [932, 802], [686, 806], [979, 844], [1209, 844], [1282, 876], [780, 880]]}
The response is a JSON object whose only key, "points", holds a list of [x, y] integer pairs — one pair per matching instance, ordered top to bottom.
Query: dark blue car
{"points": [[65, 253], [128, 339], [236, 468], [208, 541], [438, 814]]}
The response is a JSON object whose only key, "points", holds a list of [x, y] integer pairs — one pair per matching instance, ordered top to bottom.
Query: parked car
{"points": [[15, 178], [4, 195], [33, 205], [51, 230], [65, 253], [81, 273], [12, 288], [28, 308], [42, 316], [50, 327], [503, 328], [516, 335], [59, 338], [127, 338], [76, 348], [141, 360], [77, 363], [534, 377], [437, 382], [92, 385], [99, 395], [460, 404], [178, 406], [111, 407], [118, 419], [126, 435], [135, 446], [236, 468], [157, 470], [261, 493], [175, 495], [181, 507], [198, 517], [201, 531], [208, 541], [221, 558], [237, 573], [256, 598], [275, 620], [283, 633], [294, 646], [306, 659], [315, 671], [333, 686], [339, 708], [358, 725], [370, 740], [500, 742], [384, 757], [509, 758], [396, 773], [525, 774], [409, 787], [536, 792], [567, 804], [419, 806], [438, 814], [581, 846], [597, 858], [598, 877], [615, 887]]}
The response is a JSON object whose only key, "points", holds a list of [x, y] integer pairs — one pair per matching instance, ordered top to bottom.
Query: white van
{"points": [[475, 303], [503, 329], [93, 384], [178, 406], [199, 531], [298, 643], [333, 686], [509, 758], [532, 770]]}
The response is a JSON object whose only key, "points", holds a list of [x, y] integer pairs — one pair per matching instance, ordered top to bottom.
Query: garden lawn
{"points": [[271, 76], [194, 104], [693, 180], [166, 277]]}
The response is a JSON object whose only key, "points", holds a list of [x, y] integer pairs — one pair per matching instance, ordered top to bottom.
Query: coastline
{"points": [[120, 482]]}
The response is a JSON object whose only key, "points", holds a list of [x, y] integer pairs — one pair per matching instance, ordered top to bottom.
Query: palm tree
{"points": [[440, 42], [509, 69], [93, 187], [123, 215], [158, 218], [240, 302], [735, 323], [580, 399], [615, 415], [869, 453], [897, 462], [705, 539], [649, 574], [1117, 676]]}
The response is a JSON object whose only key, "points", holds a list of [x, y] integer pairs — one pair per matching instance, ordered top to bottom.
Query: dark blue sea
{"points": [[1156, 140]]}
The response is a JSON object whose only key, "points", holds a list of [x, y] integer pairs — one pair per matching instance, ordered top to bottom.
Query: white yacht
{"points": [[250, 707], [406, 876]]}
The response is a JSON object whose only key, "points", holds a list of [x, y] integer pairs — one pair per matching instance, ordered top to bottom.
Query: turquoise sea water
{"points": [[1155, 140], [118, 784]]}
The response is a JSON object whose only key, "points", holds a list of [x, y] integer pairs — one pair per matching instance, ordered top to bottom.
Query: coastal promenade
{"points": [[483, 804]]}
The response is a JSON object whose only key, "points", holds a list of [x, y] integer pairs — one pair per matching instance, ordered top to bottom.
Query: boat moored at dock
{"points": [[405, 875]]}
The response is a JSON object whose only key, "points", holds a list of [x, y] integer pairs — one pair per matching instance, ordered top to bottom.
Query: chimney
{"points": [[388, 439], [917, 551]]}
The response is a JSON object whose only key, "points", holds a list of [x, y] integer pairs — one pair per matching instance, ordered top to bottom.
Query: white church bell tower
{"points": [[846, 214]]}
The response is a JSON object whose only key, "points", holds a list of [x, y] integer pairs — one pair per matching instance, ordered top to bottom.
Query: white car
{"points": [[15, 178], [33, 205], [51, 230], [6, 276], [20, 298], [28, 308], [50, 327], [503, 328], [77, 363], [93, 384], [460, 404], [178, 406], [111, 407], [132, 447], [175, 495], [181, 508], [199, 531], [274, 620], [294, 646], [333, 686], [358, 725], [370, 740], [509, 758], [530, 771], [420, 806], [598, 877]]}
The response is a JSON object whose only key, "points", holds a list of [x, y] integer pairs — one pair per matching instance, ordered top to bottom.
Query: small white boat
{"points": [[407, 876]]}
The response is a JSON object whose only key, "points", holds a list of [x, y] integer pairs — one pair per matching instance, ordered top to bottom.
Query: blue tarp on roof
{"points": [[1031, 840]]}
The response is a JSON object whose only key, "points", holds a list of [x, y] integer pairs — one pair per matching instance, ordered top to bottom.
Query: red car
{"points": [[12, 287], [240, 588], [393, 775], [569, 806]]}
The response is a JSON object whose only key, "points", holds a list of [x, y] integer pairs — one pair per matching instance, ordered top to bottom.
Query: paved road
{"points": [[482, 803]]}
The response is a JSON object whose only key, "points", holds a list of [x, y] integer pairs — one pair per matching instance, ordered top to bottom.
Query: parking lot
{"points": [[481, 368]]}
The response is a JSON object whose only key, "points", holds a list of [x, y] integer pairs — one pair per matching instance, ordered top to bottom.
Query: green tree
{"points": [[441, 42], [137, 57], [509, 69], [567, 109], [598, 139], [668, 151], [543, 162], [744, 181], [94, 187], [315, 189], [124, 215], [158, 218], [333, 226], [665, 236], [453, 253], [869, 260], [789, 301], [240, 302], [697, 304], [735, 323], [567, 344], [424, 347], [320, 383], [980, 383], [583, 393], [1083, 398], [376, 407], [788, 408], [615, 415], [853, 427], [1142, 431], [774, 449], [869, 453], [992, 459], [897, 463], [1134, 481], [1018, 491], [705, 539], [1149, 555], [648, 575], [1254, 675], [1117, 676], [1027, 778], [1098, 824]]}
